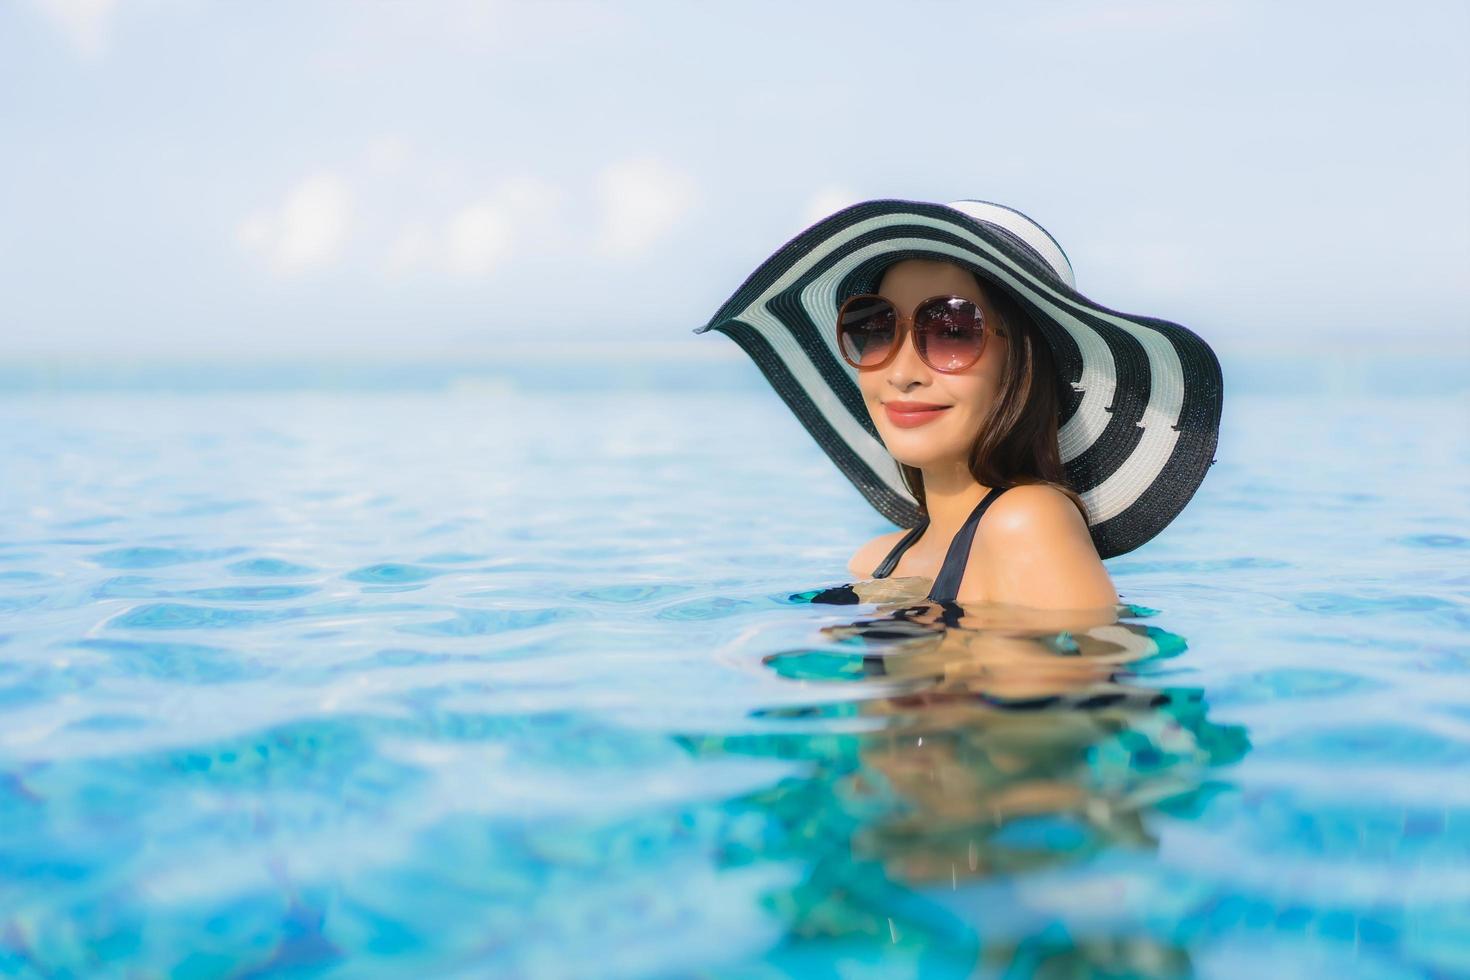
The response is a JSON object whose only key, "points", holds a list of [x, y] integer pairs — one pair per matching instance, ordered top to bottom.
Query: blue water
{"points": [[404, 679]]}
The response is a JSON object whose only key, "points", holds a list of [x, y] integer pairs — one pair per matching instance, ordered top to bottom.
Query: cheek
{"points": [[974, 392]]}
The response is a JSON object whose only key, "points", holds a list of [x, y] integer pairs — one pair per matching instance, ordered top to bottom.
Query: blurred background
{"points": [[279, 194]]}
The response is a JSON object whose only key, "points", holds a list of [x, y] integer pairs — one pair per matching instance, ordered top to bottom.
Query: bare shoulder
{"points": [[1032, 511], [1033, 548], [869, 555]]}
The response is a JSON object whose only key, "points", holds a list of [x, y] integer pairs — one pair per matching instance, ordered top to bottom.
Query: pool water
{"points": [[411, 680]]}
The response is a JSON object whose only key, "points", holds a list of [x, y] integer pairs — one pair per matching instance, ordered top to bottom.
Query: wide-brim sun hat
{"points": [[1140, 397]]}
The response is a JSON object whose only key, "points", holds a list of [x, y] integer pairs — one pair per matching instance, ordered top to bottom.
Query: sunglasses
{"points": [[949, 332]]}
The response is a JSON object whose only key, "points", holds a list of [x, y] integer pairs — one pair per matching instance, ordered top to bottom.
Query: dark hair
{"points": [[1017, 441]]}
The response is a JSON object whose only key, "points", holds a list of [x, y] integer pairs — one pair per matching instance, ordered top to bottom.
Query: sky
{"points": [[449, 179]]}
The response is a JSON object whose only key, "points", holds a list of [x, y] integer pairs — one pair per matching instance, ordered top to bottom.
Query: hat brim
{"points": [[1140, 397]]}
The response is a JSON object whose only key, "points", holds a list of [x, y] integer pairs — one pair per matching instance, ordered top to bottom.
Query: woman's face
{"points": [[947, 437]]}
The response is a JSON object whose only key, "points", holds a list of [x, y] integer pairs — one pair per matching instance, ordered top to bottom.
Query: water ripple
{"points": [[208, 508], [90, 522], [1435, 541], [151, 557], [452, 558], [1198, 566], [269, 567], [393, 573], [128, 587], [251, 593], [630, 594], [20, 603], [1343, 604], [710, 607], [177, 616], [467, 622], [187, 663], [1288, 682], [1369, 743]]}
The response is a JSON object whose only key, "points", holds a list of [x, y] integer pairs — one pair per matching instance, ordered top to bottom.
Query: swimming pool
{"points": [[391, 678]]}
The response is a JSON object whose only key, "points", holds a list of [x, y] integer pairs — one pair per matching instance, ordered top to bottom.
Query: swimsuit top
{"points": [[946, 586]]}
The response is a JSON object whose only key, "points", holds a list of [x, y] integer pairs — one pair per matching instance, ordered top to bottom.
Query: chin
{"points": [[916, 456]]}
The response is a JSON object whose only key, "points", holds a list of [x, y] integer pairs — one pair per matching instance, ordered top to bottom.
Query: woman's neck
{"points": [[951, 493]]}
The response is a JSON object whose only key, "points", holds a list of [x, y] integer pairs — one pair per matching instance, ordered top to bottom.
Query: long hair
{"points": [[1017, 441]]}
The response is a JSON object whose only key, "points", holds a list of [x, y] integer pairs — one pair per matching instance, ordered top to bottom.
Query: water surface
{"points": [[409, 681]]}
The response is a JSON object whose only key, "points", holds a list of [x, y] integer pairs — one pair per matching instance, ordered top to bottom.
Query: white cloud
{"points": [[84, 22], [643, 199], [532, 201], [825, 201], [518, 213], [307, 230], [479, 237]]}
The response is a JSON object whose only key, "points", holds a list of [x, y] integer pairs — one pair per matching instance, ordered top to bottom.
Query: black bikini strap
{"points": [[886, 569], [947, 582]]}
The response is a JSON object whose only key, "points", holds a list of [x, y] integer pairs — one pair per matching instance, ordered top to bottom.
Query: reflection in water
{"points": [[974, 766]]}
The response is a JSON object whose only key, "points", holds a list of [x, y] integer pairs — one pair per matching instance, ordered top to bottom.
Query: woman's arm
{"points": [[1032, 549]]}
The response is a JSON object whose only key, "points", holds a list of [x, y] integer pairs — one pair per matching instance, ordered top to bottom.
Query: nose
{"points": [[907, 368]]}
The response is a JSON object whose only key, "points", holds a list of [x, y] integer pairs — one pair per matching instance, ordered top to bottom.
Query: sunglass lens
{"points": [[865, 328], [951, 333]]}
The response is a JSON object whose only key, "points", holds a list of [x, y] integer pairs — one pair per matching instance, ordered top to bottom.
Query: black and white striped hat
{"points": [[1140, 397]]}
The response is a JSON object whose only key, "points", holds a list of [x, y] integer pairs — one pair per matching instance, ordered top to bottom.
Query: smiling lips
{"points": [[906, 415]]}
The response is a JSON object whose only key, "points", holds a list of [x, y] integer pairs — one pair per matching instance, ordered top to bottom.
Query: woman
{"points": [[943, 358], [970, 430]]}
